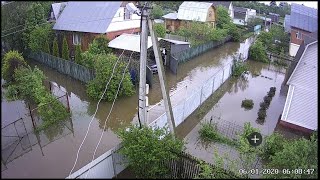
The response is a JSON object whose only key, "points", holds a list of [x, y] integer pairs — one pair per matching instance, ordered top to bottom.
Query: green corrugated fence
{"points": [[67, 67]]}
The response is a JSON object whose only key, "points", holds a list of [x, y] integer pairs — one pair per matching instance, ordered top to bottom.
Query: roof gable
{"points": [[190, 10], [94, 17]]}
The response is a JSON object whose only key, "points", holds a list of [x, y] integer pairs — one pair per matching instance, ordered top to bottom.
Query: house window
{"points": [[298, 35], [76, 39]]}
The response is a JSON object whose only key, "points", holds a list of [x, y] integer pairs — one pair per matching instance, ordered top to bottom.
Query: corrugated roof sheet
{"points": [[225, 4], [197, 11], [92, 16], [171, 16], [304, 17], [287, 23], [129, 42], [302, 108]]}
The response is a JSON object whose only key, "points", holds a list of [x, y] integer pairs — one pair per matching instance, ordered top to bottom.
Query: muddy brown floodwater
{"points": [[56, 156]]}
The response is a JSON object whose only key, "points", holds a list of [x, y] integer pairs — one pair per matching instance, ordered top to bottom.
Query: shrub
{"points": [[160, 30], [39, 36], [99, 45], [47, 48], [55, 49], [65, 49], [257, 52], [77, 56], [11, 61], [104, 67], [239, 68], [267, 100], [247, 104], [264, 105], [262, 114], [208, 132], [273, 143], [146, 148]]}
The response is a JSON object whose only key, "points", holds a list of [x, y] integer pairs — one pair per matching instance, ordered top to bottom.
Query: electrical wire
{"points": [[97, 109], [105, 123]]}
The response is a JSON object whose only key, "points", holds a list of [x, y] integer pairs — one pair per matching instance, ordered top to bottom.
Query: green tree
{"points": [[156, 12], [223, 17], [160, 30], [40, 37], [99, 45], [47, 48], [55, 49], [65, 49], [257, 52], [77, 55], [11, 61], [103, 65], [145, 148], [298, 154]]}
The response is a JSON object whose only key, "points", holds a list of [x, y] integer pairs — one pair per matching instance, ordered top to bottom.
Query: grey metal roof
{"points": [[225, 4], [56, 7], [239, 9], [93, 16], [171, 16], [303, 17], [287, 23], [301, 104]]}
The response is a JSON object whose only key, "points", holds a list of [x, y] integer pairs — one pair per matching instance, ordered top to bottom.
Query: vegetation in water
{"points": [[239, 68], [247, 103], [146, 148]]}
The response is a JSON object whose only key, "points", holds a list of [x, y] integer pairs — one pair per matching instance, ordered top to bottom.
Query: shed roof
{"points": [[225, 4], [190, 10], [93, 16], [171, 16], [303, 17], [287, 23], [129, 42], [301, 105]]}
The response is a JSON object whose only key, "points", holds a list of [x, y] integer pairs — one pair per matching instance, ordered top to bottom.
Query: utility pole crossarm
{"points": [[164, 90]]}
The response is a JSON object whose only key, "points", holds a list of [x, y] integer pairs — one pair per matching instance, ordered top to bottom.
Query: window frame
{"points": [[76, 39]]}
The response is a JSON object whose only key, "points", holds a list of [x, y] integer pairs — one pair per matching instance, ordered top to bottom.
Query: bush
{"points": [[156, 12], [160, 30], [39, 38], [99, 45], [47, 48], [55, 49], [65, 49], [257, 52], [77, 56], [11, 61], [104, 67], [239, 68], [267, 100], [247, 104], [264, 106], [262, 114], [208, 132], [273, 143], [146, 148]]}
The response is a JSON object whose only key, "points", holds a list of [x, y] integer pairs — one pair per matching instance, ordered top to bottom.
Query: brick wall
{"points": [[293, 38]]}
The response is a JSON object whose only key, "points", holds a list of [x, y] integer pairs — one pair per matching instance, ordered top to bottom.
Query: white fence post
{"points": [[214, 78], [184, 103]]}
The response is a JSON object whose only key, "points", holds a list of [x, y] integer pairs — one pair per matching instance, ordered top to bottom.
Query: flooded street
{"points": [[224, 108], [53, 153]]}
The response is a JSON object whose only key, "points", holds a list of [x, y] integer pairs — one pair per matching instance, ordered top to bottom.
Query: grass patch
{"points": [[208, 132]]}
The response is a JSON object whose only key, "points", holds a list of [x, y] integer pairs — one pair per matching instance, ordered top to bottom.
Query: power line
{"points": [[11, 28], [22, 30], [96, 110], [105, 123]]}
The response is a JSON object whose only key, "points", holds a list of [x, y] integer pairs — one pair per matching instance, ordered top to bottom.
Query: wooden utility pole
{"points": [[164, 90]]}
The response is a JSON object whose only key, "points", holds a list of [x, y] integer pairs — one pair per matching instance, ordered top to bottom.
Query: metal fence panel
{"points": [[206, 89], [192, 103], [178, 113]]}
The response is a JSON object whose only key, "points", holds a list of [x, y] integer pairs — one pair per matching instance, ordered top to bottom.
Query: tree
{"points": [[273, 4], [156, 12], [223, 17], [160, 30], [40, 37], [99, 45], [47, 47], [55, 49], [65, 49], [257, 52], [78, 54], [11, 61], [103, 64], [146, 148], [295, 155]]}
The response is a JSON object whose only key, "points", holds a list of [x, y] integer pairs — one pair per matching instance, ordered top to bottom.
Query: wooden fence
{"points": [[67, 67]]}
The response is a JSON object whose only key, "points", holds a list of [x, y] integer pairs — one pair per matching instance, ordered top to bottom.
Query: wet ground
{"points": [[56, 155]]}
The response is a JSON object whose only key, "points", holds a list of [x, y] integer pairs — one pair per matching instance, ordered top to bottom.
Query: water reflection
{"points": [[241, 83]]}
